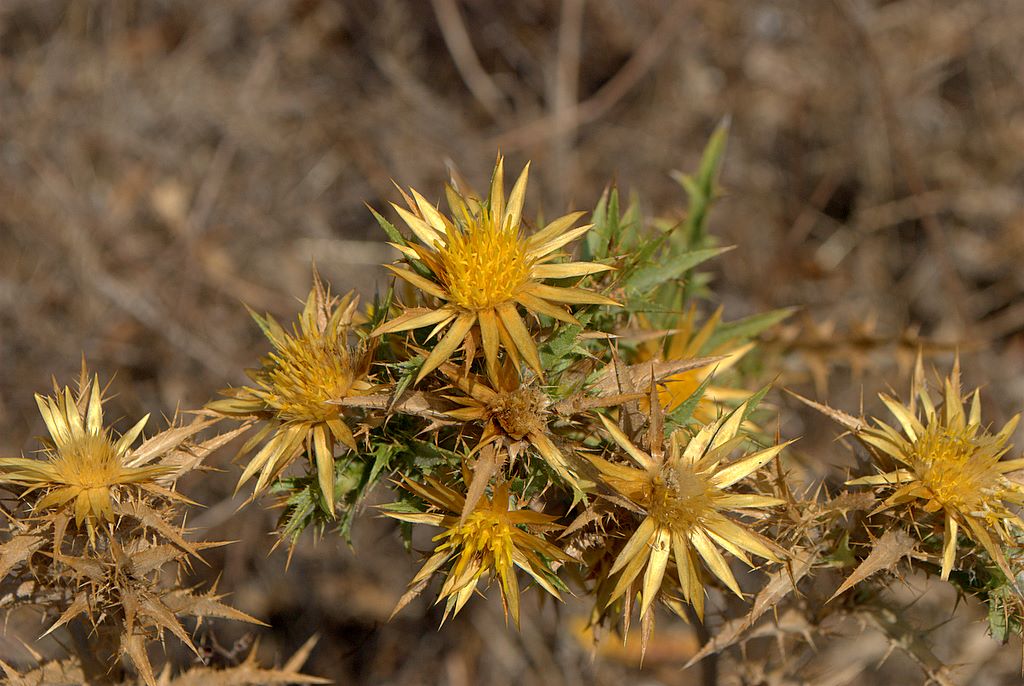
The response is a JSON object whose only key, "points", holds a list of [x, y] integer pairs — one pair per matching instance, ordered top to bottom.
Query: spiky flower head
{"points": [[484, 268], [688, 341], [299, 390], [514, 416], [948, 462], [86, 470], [685, 494], [493, 539]]}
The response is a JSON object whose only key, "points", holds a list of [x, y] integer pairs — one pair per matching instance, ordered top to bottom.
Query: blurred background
{"points": [[163, 162]]}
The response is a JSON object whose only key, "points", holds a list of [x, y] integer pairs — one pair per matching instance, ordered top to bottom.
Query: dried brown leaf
{"points": [[419, 403], [849, 421], [166, 441], [17, 550], [886, 552], [205, 605], [78, 606], [134, 646]]}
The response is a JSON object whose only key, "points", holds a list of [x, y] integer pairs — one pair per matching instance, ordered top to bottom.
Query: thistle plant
{"points": [[562, 404], [95, 527]]}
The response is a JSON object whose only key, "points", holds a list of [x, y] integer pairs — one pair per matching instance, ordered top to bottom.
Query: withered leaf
{"points": [[419, 403], [847, 420], [165, 441], [17, 550], [886, 551], [205, 605], [134, 645]]}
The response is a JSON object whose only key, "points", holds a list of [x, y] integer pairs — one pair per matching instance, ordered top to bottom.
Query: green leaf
{"points": [[701, 190], [606, 225], [394, 235], [648, 277], [381, 307], [748, 327], [563, 343], [409, 369], [755, 400], [382, 455], [427, 457], [998, 615]]}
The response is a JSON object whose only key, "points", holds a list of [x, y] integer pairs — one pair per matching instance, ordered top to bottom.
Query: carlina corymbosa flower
{"points": [[483, 267], [299, 388], [514, 416], [947, 461], [86, 471], [685, 491], [492, 540]]}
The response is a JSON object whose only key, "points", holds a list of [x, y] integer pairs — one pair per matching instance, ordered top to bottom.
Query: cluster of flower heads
{"points": [[506, 395], [582, 420], [590, 422]]}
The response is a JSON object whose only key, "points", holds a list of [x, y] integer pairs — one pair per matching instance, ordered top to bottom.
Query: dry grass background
{"points": [[162, 162]]}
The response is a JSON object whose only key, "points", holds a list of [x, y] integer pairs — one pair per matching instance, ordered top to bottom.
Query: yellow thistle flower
{"points": [[483, 267], [686, 341], [299, 389], [514, 416], [947, 461], [86, 469], [685, 496], [491, 540]]}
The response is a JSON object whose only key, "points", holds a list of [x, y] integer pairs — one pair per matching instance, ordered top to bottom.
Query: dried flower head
{"points": [[483, 267], [687, 341], [299, 390], [514, 417], [947, 461], [86, 470], [684, 493], [493, 539], [105, 576]]}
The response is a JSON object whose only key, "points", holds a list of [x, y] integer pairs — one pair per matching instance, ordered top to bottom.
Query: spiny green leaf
{"points": [[395, 236]]}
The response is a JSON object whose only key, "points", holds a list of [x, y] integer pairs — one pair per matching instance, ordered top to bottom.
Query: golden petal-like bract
{"points": [[484, 269], [687, 341], [299, 388], [947, 461], [85, 469], [684, 489], [491, 540]]}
